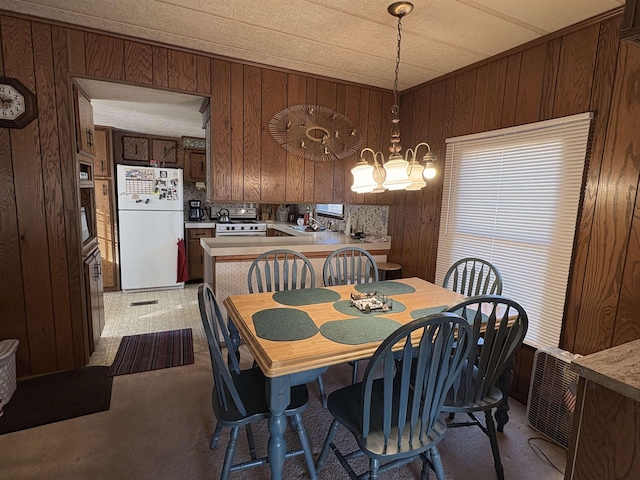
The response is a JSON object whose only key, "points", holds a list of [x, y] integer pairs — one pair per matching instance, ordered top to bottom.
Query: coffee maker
{"points": [[196, 213]]}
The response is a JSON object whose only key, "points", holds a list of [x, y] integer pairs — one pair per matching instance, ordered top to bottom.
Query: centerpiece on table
{"points": [[368, 302]]}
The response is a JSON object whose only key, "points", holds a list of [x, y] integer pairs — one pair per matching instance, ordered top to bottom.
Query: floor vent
{"points": [[148, 302], [552, 394]]}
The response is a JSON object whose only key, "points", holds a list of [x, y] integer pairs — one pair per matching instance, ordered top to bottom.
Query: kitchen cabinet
{"points": [[630, 30], [85, 138], [135, 149], [165, 152], [102, 159], [195, 165], [106, 228], [272, 232], [195, 254], [94, 301]]}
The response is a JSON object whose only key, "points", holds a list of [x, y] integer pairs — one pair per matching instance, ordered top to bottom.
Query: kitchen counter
{"points": [[201, 224], [305, 242], [616, 368], [605, 439]]}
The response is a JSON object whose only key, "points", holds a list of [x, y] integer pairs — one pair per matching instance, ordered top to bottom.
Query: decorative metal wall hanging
{"points": [[315, 132]]}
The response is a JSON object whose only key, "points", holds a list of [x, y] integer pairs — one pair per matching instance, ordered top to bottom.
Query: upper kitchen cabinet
{"points": [[85, 136], [135, 149], [141, 149], [165, 152], [195, 159], [102, 160]]}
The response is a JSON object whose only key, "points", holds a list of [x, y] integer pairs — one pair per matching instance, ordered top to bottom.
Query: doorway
{"points": [[162, 119]]}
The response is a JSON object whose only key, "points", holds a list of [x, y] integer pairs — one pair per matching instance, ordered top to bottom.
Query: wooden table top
{"points": [[277, 358]]}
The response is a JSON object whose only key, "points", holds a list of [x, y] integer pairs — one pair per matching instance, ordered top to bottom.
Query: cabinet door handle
{"points": [[89, 137], [135, 148], [102, 165], [202, 167], [104, 189]]}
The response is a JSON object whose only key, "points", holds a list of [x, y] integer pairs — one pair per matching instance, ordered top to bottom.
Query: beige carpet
{"points": [[160, 423]]}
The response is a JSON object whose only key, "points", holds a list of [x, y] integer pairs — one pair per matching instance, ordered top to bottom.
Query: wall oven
{"points": [[242, 223]]}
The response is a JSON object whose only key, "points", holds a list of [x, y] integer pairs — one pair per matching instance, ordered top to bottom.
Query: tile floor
{"points": [[175, 309]]}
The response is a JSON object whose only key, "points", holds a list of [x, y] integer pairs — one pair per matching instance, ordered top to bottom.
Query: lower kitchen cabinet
{"points": [[195, 254], [94, 297]]}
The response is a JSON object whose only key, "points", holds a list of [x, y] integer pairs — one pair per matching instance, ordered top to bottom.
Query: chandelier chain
{"points": [[395, 83]]}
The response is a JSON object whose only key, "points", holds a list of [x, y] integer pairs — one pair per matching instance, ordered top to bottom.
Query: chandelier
{"points": [[398, 172]]}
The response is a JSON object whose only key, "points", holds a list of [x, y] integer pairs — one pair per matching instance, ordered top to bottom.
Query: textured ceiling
{"points": [[353, 41]]}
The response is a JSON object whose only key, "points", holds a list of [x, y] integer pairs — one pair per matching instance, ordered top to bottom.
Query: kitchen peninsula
{"points": [[227, 259]]}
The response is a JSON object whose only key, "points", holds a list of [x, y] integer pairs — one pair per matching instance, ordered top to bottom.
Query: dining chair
{"points": [[349, 265], [278, 270], [473, 276], [499, 326], [238, 397], [395, 419]]}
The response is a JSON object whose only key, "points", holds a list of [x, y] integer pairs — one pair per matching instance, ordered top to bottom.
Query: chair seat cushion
{"points": [[251, 386], [346, 407]]}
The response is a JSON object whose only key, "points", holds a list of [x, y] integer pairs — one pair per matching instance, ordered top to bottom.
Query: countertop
{"points": [[201, 224], [299, 241], [616, 368]]}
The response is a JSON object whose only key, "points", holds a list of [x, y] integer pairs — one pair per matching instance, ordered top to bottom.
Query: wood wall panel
{"points": [[76, 54], [104, 56], [18, 60], [138, 62], [160, 67], [182, 70], [203, 72], [575, 74], [550, 78], [530, 85], [511, 90], [296, 95], [495, 95], [480, 98], [464, 99], [601, 106], [352, 111], [237, 131], [252, 133], [374, 134], [66, 143], [274, 157], [309, 166], [338, 166], [323, 171], [220, 175], [53, 198], [608, 248], [11, 288], [627, 326]]}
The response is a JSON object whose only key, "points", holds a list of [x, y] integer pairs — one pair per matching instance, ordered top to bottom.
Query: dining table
{"points": [[295, 335]]}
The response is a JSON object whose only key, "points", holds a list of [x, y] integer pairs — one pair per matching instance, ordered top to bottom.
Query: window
{"points": [[511, 196], [330, 209]]}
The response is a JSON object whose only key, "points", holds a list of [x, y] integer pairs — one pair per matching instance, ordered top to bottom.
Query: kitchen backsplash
{"points": [[373, 219]]}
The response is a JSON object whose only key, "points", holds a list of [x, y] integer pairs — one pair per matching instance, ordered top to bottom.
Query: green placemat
{"points": [[386, 287], [308, 296], [344, 306], [423, 312], [284, 324], [355, 331]]}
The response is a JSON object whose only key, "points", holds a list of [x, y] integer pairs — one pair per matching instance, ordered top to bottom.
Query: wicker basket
{"points": [[7, 369]]}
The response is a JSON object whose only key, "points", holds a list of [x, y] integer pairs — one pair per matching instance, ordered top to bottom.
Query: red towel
{"points": [[183, 269]]}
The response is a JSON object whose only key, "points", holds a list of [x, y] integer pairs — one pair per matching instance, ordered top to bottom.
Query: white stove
{"points": [[242, 222]]}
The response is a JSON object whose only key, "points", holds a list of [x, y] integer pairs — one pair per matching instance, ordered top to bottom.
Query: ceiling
{"points": [[353, 41]]}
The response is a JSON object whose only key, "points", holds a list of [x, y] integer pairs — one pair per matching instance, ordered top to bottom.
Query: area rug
{"points": [[152, 351], [59, 396]]}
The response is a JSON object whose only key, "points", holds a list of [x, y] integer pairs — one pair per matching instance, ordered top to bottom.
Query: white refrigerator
{"points": [[150, 224]]}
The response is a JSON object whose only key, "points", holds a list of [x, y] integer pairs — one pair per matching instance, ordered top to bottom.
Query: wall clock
{"points": [[17, 104], [315, 132]]}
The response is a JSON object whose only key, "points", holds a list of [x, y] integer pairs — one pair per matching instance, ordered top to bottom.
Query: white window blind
{"points": [[511, 197]]}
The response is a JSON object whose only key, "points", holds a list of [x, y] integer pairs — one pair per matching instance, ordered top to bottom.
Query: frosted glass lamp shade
{"points": [[429, 171], [415, 175], [397, 177], [363, 178]]}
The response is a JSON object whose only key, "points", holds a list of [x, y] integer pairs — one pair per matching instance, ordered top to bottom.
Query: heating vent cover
{"points": [[552, 394]]}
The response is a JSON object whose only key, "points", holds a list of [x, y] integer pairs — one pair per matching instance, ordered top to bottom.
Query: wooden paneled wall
{"points": [[582, 69], [585, 69], [248, 165]]}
